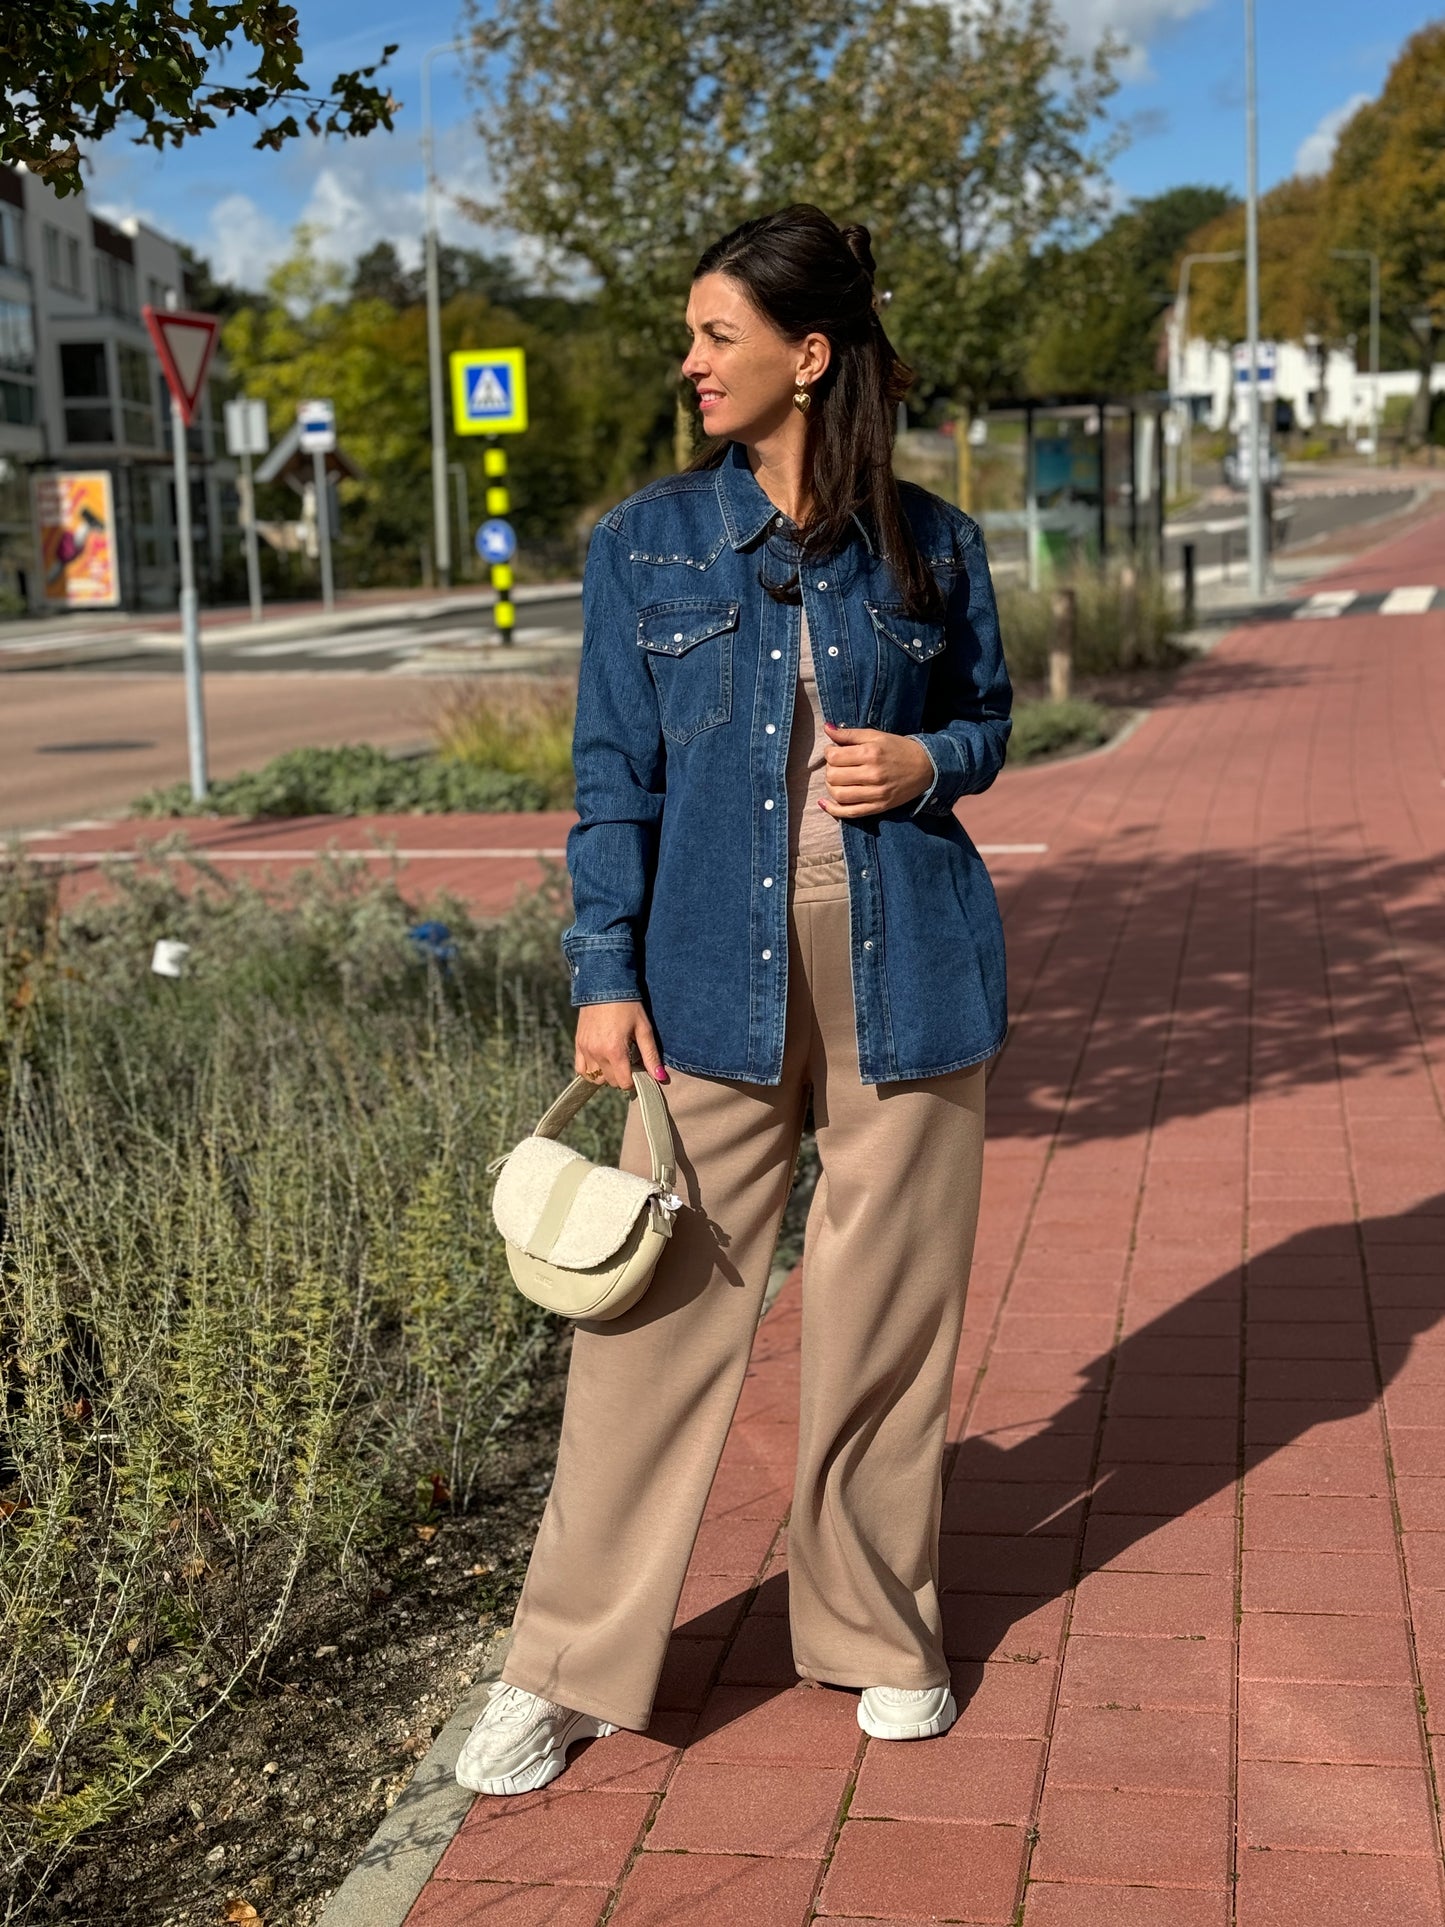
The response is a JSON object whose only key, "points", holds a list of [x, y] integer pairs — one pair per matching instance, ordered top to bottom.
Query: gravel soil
{"points": [[282, 1793]]}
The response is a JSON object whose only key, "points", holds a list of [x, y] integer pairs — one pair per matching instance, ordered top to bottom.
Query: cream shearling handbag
{"points": [[583, 1238]]}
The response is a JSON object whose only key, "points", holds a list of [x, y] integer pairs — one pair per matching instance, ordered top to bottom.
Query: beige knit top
{"points": [[812, 833]]}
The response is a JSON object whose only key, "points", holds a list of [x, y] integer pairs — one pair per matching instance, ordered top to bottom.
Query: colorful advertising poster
{"points": [[76, 517]]}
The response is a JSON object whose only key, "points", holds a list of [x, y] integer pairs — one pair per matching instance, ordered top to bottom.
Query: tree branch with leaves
{"points": [[71, 71]]}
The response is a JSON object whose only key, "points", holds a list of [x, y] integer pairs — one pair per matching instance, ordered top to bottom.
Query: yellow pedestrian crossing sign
{"points": [[489, 391]]}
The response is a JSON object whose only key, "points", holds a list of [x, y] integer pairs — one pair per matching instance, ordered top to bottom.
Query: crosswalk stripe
{"points": [[1325, 602], [1408, 602], [324, 646]]}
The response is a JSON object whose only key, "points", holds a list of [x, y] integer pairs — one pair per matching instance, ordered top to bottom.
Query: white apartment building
{"points": [[80, 389]]}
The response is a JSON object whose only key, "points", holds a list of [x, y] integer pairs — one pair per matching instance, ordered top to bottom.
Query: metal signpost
{"points": [[184, 343], [489, 397], [317, 422], [1255, 430], [248, 434], [440, 519]]}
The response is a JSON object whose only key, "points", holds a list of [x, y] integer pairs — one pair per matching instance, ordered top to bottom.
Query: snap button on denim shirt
{"points": [[681, 800]]}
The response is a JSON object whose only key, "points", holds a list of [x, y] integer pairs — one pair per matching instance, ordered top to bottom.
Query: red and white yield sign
{"points": [[185, 342]]}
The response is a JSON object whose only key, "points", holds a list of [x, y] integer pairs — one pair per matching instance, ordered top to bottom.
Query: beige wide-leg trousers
{"points": [[650, 1395]]}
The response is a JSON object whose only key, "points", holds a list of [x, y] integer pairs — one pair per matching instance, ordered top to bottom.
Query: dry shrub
{"points": [[251, 1298]]}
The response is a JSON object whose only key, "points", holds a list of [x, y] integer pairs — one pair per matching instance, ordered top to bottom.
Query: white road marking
{"points": [[1325, 602], [1408, 602], [325, 645], [280, 855], [372, 855]]}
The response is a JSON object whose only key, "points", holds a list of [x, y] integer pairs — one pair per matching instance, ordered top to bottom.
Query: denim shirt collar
{"points": [[746, 509]]}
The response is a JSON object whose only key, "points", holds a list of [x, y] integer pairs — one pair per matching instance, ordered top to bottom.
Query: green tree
{"points": [[72, 70], [628, 135], [1386, 191], [1295, 284], [1100, 328], [312, 335]]}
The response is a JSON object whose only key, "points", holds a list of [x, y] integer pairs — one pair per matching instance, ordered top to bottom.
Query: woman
{"points": [[790, 674]]}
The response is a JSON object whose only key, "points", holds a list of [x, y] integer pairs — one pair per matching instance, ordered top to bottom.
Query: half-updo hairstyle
{"points": [[807, 275]]}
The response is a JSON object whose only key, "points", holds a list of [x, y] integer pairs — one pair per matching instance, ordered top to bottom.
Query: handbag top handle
{"points": [[655, 1120]]}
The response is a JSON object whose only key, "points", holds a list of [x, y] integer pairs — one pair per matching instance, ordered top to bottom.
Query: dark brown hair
{"points": [[807, 275]]}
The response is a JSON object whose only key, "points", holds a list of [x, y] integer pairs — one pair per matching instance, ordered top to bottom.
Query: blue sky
{"points": [[1182, 99]]}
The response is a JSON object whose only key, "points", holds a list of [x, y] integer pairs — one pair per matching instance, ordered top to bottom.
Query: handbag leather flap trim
{"points": [[553, 1203]]}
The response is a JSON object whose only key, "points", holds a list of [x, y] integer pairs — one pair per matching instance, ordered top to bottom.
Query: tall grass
{"points": [[1117, 629], [521, 725], [255, 1316]]}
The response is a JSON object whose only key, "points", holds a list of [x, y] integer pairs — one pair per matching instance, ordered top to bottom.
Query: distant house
{"points": [[1325, 387], [80, 389]]}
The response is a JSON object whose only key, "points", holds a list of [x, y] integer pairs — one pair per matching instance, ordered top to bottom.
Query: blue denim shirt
{"points": [[679, 856]]}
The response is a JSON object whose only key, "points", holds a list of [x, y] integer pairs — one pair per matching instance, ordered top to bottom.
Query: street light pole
{"points": [[1368, 254], [1178, 340], [1254, 441], [441, 515]]}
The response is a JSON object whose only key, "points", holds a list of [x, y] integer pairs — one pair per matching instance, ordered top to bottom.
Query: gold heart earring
{"points": [[802, 400]]}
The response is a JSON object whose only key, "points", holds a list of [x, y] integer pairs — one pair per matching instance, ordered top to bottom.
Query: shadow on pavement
{"points": [[1248, 1016], [1170, 1398]]}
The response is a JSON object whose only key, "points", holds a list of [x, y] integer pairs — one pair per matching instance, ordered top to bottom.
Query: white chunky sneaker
{"points": [[906, 1712], [520, 1742]]}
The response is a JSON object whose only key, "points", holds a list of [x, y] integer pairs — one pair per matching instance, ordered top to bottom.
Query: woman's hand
{"points": [[871, 770], [605, 1036]]}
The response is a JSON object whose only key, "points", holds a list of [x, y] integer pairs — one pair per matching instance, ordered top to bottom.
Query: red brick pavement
{"points": [[1194, 1524]]}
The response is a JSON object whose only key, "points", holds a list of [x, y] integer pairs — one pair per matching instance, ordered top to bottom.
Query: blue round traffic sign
{"points": [[496, 541]]}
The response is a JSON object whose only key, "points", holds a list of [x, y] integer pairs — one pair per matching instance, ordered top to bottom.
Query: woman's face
{"points": [[745, 372]]}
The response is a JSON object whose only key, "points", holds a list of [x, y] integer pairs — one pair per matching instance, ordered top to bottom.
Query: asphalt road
{"points": [[1217, 529], [433, 640], [367, 645]]}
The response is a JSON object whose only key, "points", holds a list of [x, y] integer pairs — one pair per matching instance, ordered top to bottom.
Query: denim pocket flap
{"points": [[672, 628], [917, 638]]}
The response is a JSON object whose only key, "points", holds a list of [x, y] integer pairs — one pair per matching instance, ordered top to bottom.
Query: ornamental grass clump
{"points": [[1117, 628], [521, 725], [252, 1303]]}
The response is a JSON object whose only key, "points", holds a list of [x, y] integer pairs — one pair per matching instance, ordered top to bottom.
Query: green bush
{"points": [[1048, 729], [357, 779], [251, 1299]]}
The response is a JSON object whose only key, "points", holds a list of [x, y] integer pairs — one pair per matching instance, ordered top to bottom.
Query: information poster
{"points": [[76, 518]]}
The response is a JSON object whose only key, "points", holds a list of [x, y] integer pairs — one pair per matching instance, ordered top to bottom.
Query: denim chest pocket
{"points": [[921, 640], [689, 647]]}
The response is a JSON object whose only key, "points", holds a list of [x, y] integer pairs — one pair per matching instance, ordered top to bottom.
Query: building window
{"points": [[12, 237], [62, 261], [114, 285], [156, 291], [17, 338], [17, 358], [85, 384], [17, 403], [138, 422]]}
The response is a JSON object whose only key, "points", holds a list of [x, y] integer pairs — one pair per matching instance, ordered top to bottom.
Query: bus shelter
{"points": [[1063, 480]]}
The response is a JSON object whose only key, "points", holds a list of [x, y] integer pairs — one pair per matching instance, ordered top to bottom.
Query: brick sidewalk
{"points": [[1195, 1520], [1194, 1549]]}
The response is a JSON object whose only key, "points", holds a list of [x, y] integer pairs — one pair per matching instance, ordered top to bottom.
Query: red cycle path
{"points": [[1194, 1519]]}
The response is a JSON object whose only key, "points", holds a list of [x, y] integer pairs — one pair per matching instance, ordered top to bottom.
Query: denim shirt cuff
{"points": [[943, 792], [603, 974]]}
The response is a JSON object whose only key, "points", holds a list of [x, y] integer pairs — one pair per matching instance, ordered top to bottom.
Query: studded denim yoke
{"points": [[679, 856]]}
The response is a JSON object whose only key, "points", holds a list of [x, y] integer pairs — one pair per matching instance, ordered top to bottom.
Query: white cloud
{"points": [[1136, 23], [1317, 150], [355, 192], [242, 241]]}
